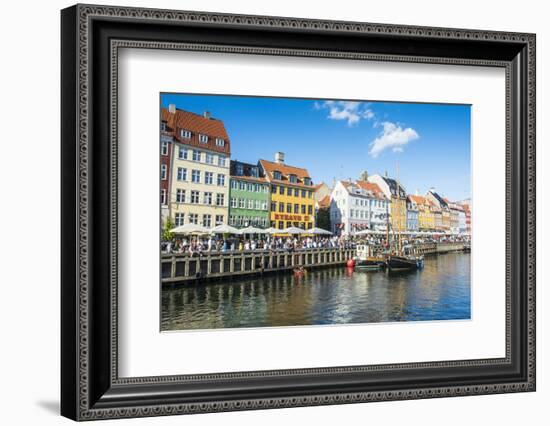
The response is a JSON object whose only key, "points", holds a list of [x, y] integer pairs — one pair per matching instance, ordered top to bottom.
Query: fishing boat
{"points": [[364, 258]]}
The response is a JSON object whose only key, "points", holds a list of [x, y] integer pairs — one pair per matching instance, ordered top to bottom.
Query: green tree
{"points": [[323, 219], [167, 229]]}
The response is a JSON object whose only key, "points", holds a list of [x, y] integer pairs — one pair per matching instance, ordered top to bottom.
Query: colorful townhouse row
{"points": [[200, 184]]}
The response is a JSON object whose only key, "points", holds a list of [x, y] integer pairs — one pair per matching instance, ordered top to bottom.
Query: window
{"points": [[163, 126], [186, 134], [203, 138], [220, 142], [164, 148], [182, 153], [196, 155], [209, 158], [221, 160], [239, 169], [163, 171], [255, 172], [182, 173], [277, 175], [196, 176], [208, 178], [292, 179], [221, 180], [307, 181], [234, 184], [242, 186], [266, 189], [274, 189], [282, 190], [289, 191], [296, 192], [303, 193], [180, 195], [163, 197], [195, 197], [208, 198], [220, 199], [233, 202], [242, 203], [250, 204], [257, 204], [264, 205], [273, 206], [281, 207], [289, 208], [296, 208], [303, 209], [310, 209], [178, 219], [219, 219], [206, 220], [281, 224]]}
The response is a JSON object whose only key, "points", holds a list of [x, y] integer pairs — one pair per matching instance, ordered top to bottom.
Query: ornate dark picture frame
{"points": [[91, 36]]}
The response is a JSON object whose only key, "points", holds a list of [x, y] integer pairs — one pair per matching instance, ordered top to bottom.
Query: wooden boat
{"points": [[365, 260], [394, 262]]}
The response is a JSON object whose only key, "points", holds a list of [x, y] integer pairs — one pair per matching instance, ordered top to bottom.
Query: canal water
{"points": [[336, 295]]}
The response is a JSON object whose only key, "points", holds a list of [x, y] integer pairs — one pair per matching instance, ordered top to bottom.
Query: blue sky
{"points": [[339, 139]]}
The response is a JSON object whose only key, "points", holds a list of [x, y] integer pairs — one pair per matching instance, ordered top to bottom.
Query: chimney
{"points": [[172, 108], [207, 115], [280, 157]]}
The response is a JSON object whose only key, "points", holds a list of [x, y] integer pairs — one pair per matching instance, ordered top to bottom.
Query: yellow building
{"points": [[198, 176], [292, 194], [398, 200], [426, 214]]}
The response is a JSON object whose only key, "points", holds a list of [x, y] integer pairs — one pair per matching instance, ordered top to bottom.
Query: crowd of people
{"points": [[199, 245]]}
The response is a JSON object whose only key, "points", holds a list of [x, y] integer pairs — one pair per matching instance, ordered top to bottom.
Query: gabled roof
{"points": [[195, 123], [270, 167], [392, 183], [371, 187], [439, 198], [324, 202]]}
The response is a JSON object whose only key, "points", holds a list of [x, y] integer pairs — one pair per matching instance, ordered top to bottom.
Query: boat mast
{"points": [[398, 192], [388, 221]]}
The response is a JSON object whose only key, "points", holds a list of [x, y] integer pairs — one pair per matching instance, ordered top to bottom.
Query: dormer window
{"points": [[163, 126], [185, 134], [203, 138], [220, 142], [240, 170], [254, 172], [277, 175], [292, 179], [307, 181]]}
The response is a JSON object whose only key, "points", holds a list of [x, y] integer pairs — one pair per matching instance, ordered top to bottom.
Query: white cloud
{"points": [[350, 111], [392, 136]]}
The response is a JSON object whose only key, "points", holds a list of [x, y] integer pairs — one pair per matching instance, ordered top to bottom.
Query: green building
{"points": [[248, 196]]}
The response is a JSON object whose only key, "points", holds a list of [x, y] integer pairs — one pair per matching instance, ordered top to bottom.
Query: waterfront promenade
{"points": [[185, 268]]}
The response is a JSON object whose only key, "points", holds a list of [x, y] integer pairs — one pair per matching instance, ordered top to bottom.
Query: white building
{"points": [[357, 206]]}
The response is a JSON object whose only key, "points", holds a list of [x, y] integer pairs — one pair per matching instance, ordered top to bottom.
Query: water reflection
{"points": [[440, 291]]}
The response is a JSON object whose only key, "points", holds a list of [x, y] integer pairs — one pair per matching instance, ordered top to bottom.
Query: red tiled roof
{"points": [[185, 120], [270, 167], [372, 187], [324, 202]]}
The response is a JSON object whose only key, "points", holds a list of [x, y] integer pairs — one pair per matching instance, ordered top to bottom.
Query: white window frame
{"points": [[185, 134], [203, 138], [220, 142], [164, 148], [183, 153], [163, 171], [181, 174], [195, 176], [222, 177], [209, 178], [180, 195], [163, 197], [218, 197], [207, 198], [179, 219]]}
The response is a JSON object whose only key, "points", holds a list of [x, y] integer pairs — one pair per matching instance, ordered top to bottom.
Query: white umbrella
{"points": [[190, 228], [224, 229], [253, 230], [293, 230], [273, 231], [319, 231], [366, 232]]}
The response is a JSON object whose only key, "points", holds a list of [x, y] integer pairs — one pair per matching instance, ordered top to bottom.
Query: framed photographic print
{"points": [[263, 212]]}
